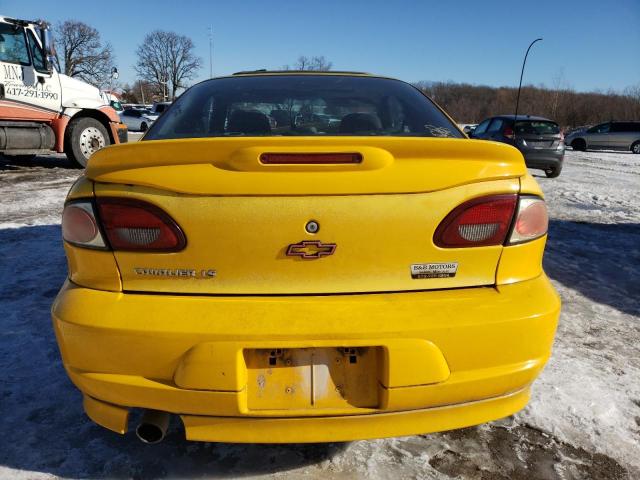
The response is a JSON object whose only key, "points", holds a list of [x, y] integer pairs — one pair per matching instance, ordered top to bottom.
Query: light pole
{"points": [[210, 52], [114, 76], [164, 81], [515, 118]]}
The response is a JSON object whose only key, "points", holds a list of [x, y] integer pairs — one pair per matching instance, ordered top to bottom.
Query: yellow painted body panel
{"points": [[231, 166], [529, 186], [81, 188], [244, 239], [521, 262], [87, 267], [93, 268], [440, 348], [279, 349], [110, 416], [354, 427], [328, 428]]}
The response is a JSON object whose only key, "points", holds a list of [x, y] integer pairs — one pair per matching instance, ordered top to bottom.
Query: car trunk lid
{"points": [[245, 220]]}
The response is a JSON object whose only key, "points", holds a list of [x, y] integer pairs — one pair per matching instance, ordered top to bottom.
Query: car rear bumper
{"points": [[543, 159], [437, 359], [341, 428]]}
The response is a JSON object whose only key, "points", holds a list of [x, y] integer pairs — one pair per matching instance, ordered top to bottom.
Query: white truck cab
{"points": [[43, 111]]}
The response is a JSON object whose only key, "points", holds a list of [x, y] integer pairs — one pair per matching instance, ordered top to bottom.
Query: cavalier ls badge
{"points": [[309, 249], [202, 274]]}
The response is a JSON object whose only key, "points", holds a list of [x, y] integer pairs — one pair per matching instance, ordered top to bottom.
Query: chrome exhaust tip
{"points": [[153, 426]]}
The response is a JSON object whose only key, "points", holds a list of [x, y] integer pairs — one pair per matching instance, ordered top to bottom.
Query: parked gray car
{"points": [[609, 136], [538, 139]]}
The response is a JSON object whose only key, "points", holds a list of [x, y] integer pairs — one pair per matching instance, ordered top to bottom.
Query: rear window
{"points": [[316, 105], [536, 127]]}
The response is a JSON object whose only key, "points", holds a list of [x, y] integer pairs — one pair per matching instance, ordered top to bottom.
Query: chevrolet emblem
{"points": [[311, 249]]}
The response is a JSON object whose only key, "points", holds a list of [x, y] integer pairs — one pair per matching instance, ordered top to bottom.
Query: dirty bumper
{"points": [[305, 368]]}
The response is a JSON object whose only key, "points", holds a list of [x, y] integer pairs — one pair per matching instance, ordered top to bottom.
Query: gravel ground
{"points": [[583, 421]]}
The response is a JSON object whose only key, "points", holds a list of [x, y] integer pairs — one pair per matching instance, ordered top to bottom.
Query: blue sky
{"points": [[590, 45]]}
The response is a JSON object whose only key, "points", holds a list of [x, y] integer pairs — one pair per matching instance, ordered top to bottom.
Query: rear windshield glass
{"points": [[281, 105], [537, 127]]}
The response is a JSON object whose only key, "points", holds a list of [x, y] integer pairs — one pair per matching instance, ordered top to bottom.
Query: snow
{"points": [[583, 420]]}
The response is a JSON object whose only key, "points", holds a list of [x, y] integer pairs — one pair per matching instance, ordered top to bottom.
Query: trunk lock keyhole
{"points": [[312, 226]]}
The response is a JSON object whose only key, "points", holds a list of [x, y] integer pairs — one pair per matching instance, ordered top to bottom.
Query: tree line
{"points": [[471, 103]]}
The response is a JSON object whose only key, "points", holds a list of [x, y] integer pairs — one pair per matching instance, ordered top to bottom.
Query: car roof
{"points": [[302, 72], [324, 73], [523, 117]]}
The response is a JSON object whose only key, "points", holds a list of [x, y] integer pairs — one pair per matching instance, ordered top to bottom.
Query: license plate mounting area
{"points": [[312, 378]]}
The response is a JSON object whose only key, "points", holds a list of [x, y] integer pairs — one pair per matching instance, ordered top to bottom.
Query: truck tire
{"points": [[84, 137]]}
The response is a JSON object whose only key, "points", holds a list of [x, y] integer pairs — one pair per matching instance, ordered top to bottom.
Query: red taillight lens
{"points": [[508, 132], [532, 220], [478, 222], [135, 225], [79, 226]]}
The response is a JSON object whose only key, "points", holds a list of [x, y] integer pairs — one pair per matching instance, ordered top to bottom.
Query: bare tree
{"points": [[81, 53], [167, 60], [316, 63]]}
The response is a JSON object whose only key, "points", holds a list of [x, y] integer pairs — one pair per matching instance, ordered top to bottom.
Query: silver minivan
{"points": [[609, 136]]}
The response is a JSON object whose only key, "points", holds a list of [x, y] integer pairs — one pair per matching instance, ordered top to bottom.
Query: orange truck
{"points": [[43, 111]]}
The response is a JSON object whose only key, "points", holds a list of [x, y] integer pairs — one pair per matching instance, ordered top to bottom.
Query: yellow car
{"points": [[304, 257]]}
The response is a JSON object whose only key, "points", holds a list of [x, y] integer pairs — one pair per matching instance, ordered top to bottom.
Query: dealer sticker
{"points": [[434, 270]]}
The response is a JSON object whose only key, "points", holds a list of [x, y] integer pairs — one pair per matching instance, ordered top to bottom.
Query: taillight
{"points": [[508, 132], [532, 220], [487, 221], [478, 222], [79, 225], [139, 226]]}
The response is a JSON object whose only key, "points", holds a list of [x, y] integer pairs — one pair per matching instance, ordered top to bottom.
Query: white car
{"points": [[158, 109], [137, 120]]}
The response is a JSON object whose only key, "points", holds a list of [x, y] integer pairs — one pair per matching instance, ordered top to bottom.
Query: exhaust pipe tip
{"points": [[153, 426]]}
